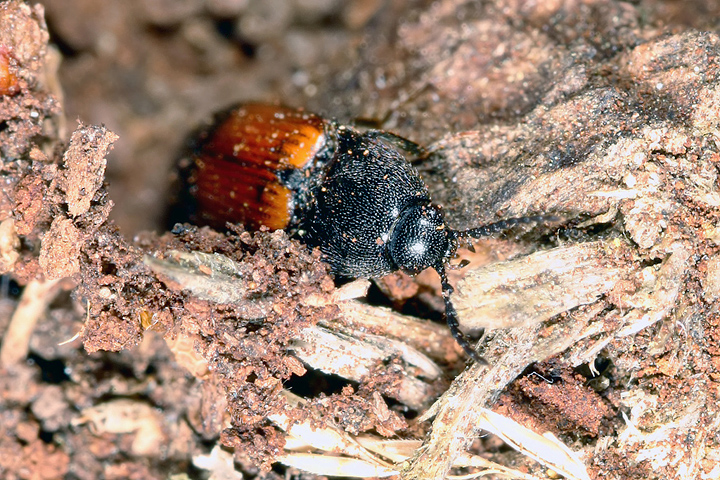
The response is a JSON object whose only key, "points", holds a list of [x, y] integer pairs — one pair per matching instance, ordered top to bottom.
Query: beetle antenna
{"points": [[503, 225], [452, 319]]}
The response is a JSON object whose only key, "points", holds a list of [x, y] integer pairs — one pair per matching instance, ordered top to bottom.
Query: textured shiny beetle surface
{"points": [[352, 194]]}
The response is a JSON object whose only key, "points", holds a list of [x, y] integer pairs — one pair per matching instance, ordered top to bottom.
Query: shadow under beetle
{"points": [[351, 194]]}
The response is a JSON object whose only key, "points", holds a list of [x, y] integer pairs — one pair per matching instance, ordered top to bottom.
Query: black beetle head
{"points": [[420, 239]]}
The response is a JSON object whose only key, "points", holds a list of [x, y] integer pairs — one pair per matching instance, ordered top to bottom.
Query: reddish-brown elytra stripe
{"points": [[238, 160]]}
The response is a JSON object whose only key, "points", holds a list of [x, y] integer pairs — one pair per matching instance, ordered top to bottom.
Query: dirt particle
{"points": [[85, 166], [29, 199], [9, 244], [60, 251], [711, 285]]}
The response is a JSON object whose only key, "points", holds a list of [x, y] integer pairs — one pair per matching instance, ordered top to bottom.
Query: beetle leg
{"points": [[398, 142], [452, 319]]}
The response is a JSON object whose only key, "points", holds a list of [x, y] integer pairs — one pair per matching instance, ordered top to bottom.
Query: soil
{"points": [[136, 349]]}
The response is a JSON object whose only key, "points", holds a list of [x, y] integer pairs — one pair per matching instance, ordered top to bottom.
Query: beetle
{"points": [[352, 194]]}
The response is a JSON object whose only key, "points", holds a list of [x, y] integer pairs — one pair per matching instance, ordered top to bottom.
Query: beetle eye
{"points": [[419, 239]]}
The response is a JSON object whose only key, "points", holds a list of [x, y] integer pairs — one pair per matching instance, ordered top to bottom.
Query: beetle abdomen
{"points": [[238, 168]]}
